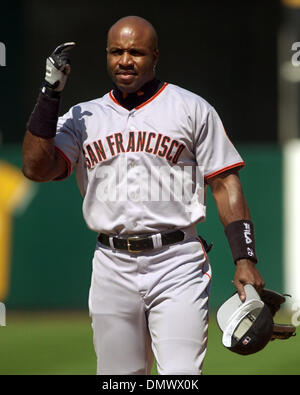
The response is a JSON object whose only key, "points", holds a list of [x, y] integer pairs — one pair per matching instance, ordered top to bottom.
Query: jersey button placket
{"points": [[131, 113], [133, 208]]}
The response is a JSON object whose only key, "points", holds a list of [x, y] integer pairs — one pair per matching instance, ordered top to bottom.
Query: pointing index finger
{"points": [[64, 47]]}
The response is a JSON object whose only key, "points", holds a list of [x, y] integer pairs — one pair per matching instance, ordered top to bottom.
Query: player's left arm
{"points": [[232, 208]]}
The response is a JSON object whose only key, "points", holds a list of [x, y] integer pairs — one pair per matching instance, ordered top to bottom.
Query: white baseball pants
{"points": [[153, 303]]}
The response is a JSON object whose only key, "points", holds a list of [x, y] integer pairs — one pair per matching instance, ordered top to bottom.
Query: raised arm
{"points": [[41, 161], [235, 216]]}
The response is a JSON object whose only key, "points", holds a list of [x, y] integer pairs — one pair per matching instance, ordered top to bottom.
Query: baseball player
{"points": [[144, 154]]}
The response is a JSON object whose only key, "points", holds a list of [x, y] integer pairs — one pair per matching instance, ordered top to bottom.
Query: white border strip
{"points": [[291, 217]]}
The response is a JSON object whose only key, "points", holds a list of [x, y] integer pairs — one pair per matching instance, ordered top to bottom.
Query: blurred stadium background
{"points": [[239, 57]]}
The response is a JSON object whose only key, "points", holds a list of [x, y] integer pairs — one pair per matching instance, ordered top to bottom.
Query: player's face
{"points": [[131, 58]]}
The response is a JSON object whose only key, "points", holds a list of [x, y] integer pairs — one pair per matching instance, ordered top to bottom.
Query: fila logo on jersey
{"points": [[150, 142], [247, 233]]}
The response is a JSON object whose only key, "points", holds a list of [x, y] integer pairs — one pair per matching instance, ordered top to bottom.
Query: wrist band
{"points": [[48, 90], [43, 120], [240, 236]]}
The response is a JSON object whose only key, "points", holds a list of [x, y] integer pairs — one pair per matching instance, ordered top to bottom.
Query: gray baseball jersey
{"points": [[126, 161]]}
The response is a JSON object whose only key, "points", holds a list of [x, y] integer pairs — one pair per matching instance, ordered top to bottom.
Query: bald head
{"points": [[135, 25], [132, 53]]}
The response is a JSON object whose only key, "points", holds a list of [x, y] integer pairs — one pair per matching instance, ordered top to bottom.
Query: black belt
{"points": [[140, 243], [143, 243]]}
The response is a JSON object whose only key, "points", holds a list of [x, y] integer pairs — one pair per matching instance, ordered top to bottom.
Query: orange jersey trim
{"points": [[153, 97], [113, 99], [143, 104], [239, 164], [206, 258], [206, 274]]}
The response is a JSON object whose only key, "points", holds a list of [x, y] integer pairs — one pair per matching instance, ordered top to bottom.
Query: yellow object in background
{"points": [[291, 3], [14, 188]]}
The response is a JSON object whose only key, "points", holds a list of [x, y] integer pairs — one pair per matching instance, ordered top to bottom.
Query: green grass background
{"points": [[60, 343]]}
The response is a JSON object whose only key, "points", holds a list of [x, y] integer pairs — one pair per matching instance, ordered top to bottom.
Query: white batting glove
{"points": [[57, 68]]}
